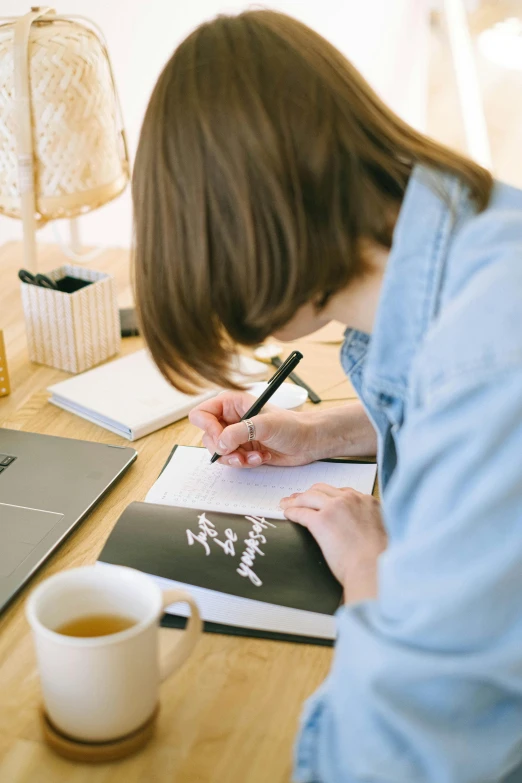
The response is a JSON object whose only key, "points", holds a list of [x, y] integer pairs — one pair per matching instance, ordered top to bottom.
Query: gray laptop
{"points": [[47, 486]]}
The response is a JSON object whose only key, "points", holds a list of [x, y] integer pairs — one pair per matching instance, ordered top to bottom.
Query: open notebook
{"points": [[219, 532]]}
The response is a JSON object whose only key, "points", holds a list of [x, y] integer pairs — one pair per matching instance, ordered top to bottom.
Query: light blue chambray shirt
{"points": [[426, 681]]}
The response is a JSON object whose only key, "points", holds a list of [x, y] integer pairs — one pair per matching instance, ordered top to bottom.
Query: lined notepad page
{"points": [[190, 481]]}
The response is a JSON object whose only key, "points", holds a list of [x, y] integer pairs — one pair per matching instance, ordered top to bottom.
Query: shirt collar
{"points": [[412, 280]]}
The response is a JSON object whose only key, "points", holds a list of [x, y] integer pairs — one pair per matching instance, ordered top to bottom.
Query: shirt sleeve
{"points": [[426, 682]]}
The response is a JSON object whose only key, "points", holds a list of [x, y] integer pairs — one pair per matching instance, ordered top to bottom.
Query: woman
{"points": [[274, 192]]}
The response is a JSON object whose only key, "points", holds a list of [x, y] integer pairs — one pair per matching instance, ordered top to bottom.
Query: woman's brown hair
{"points": [[264, 159]]}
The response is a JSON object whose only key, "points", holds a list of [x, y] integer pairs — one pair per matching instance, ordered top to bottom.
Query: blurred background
{"points": [[415, 53]]}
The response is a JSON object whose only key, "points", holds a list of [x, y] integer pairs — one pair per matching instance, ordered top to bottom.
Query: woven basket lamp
{"points": [[63, 150]]}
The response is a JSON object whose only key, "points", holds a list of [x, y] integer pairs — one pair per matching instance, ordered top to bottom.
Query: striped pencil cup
{"points": [[72, 331]]}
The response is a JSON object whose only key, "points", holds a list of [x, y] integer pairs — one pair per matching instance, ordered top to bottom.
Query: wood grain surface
{"points": [[231, 714]]}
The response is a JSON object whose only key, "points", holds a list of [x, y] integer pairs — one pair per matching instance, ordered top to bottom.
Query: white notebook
{"points": [[130, 397]]}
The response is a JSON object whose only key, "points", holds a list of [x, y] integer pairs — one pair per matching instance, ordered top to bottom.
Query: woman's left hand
{"points": [[348, 527]]}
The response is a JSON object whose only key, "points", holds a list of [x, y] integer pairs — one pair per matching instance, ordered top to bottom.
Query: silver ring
{"points": [[251, 427]]}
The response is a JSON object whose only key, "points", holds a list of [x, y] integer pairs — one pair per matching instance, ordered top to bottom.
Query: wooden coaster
{"points": [[97, 752]]}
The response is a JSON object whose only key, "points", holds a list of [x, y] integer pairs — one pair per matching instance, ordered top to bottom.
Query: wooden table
{"points": [[232, 712]]}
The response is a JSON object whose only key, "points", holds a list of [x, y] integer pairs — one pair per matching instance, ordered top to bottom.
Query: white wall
{"points": [[386, 39]]}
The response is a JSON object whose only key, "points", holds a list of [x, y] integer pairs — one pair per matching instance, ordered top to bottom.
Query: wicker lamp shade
{"points": [[62, 143]]}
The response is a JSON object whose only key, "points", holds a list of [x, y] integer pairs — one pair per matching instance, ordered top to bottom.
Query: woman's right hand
{"points": [[282, 437]]}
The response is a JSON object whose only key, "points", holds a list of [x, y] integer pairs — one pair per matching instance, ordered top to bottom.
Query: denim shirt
{"points": [[426, 680]]}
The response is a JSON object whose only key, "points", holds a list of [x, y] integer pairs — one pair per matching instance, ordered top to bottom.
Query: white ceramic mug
{"points": [[100, 688]]}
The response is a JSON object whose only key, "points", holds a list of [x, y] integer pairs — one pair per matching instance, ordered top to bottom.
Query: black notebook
{"points": [[252, 572]]}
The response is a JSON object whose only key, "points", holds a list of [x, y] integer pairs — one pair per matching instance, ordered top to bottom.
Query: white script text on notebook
{"points": [[219, 532]]}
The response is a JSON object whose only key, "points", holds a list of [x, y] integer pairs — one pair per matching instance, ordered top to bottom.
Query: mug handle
{"points": [[179, 654]]}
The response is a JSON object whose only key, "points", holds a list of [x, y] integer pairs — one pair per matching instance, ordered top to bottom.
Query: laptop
{"points": [[47, 486]]}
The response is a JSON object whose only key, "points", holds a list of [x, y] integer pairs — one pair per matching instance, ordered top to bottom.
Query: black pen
{"points": [[273, 384], [312, 396]]}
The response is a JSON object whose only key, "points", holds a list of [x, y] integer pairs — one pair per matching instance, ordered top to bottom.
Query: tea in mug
{"points": [[96, 625]]}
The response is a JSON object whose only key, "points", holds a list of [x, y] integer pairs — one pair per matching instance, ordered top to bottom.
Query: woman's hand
{"points": [[282, 437], [348, 527]]}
